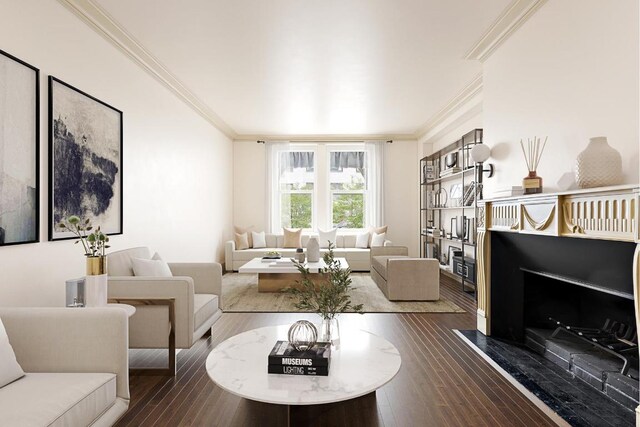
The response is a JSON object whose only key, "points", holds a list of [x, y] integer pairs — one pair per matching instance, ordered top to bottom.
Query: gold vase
{"points": [[96, 265]]}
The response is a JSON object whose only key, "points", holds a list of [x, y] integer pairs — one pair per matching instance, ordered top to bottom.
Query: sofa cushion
{"points": [[242, 230], [377, 230], [327, 237], [292, 238], [242, 240], [259, 240], [362, 240], [377, 240], [119, 263], [380, 263], [204, 306], [10, 369], [57, 399]]}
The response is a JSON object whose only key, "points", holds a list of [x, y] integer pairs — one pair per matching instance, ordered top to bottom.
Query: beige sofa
{"points": [[345, 247], [401, 278], [195, 287], [76, 364]]}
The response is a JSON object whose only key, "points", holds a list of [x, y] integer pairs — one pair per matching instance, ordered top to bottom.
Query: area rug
{"points": [[240, 294]]}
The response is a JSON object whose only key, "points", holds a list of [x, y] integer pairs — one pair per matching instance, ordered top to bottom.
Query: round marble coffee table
{"points": [[363, 363]]}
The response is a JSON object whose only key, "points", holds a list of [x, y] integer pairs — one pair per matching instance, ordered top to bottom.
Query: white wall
{"points": [[570, 72], [177, 167], [400, 172]]}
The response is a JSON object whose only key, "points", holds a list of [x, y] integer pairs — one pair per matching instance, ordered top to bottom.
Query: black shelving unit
{"points": [[436, 209]]}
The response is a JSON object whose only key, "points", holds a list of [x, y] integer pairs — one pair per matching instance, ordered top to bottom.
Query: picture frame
{"points": [[85, 146], [428, 173], [19, 177], [456, 194], [454, 226]]}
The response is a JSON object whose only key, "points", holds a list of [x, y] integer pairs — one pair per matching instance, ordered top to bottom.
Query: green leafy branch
{"points": [[93, 241], [328, 296]]}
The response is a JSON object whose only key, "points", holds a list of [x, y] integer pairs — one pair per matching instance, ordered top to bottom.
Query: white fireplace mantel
{"points": [[606, 213]]}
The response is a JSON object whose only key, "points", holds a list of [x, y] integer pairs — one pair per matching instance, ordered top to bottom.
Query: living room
{"points": [[206, 93]]}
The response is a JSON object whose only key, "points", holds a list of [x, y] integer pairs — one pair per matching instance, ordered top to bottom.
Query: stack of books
{"points": [[515, 190], [284, 359]]}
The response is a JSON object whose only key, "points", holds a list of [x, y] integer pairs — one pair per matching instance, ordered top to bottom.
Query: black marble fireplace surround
{"points": [[579, 282]]}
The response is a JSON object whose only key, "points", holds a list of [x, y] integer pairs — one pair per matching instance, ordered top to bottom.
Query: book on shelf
{"points": [[449, 171], [284, 354], [321, 371]]}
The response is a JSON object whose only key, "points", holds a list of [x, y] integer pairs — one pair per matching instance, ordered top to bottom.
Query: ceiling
{"points": [[314, 67]]}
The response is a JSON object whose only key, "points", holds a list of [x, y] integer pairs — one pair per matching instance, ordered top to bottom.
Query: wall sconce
{"points": [[479, 154]]}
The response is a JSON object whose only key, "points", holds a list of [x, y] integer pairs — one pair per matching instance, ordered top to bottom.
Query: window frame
{"points": [[355, 147], [309, 148]]}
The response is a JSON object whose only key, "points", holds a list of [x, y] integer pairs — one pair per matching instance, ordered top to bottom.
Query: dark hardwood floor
{"points": [[442, 382]]}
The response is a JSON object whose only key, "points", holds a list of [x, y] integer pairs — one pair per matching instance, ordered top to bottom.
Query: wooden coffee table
{"points": [[273, 277], [361, 364]]}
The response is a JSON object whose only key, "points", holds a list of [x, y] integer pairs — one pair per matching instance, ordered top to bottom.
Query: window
{"points": [[296, 183], [324, 185], [348, 188]]}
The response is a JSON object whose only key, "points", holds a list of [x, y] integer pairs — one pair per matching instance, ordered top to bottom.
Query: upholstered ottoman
{"points": [[402, 278]]}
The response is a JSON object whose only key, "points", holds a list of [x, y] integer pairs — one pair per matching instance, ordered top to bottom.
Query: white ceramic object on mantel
{"points": [[598, 165], [313, 250]]}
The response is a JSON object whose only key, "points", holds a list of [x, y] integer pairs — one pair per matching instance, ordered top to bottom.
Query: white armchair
{"points": [[194, 292], [76, 365]]}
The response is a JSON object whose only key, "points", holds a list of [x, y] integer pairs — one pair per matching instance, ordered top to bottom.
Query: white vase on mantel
{"points": [[598, 165]]}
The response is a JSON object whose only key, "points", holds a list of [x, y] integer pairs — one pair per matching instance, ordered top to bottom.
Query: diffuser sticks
{"points": [[532, 152]]}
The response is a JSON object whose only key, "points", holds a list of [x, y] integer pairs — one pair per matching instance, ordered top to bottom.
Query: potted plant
{"points": [[95, 243], [326, 293]]}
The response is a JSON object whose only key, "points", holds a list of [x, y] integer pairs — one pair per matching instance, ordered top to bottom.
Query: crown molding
{"points": [[512, 18], [100, 21], [455, 105], [327, 137]]}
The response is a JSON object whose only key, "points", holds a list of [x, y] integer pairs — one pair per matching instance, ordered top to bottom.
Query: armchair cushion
{"points": [[120, 263], [151, 267], [10, 369]]}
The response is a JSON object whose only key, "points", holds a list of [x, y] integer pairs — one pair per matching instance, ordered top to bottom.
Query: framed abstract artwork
{"points": [[19, 151], [85, 160]]}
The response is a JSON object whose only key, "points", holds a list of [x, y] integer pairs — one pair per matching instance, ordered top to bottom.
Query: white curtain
{"points": [[273, 150], [375, 171]]}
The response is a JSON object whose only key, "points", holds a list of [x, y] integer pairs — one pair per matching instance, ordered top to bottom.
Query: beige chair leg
{"points": [[170, 370]]}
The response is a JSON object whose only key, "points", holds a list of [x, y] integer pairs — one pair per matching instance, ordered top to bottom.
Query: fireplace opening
{"points": [[586, 328]]}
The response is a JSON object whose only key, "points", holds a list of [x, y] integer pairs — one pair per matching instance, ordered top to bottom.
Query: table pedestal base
{"points": [[276, 282], [305, 415]]}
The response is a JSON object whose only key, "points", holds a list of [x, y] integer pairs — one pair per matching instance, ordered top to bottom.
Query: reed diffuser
{"points": [[532, 151]]}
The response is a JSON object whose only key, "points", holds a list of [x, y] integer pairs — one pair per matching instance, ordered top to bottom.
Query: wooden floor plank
{"points": [[442, 382]]}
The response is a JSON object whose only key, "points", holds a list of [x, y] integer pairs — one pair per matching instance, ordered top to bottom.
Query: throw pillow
{"points": [[242, 230], [376, 230], [326, 237], [292, 238], [259, 239], [378, 239], [362, 240], [242, 241], [156, 257], [150, 268], [10, 369]]}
